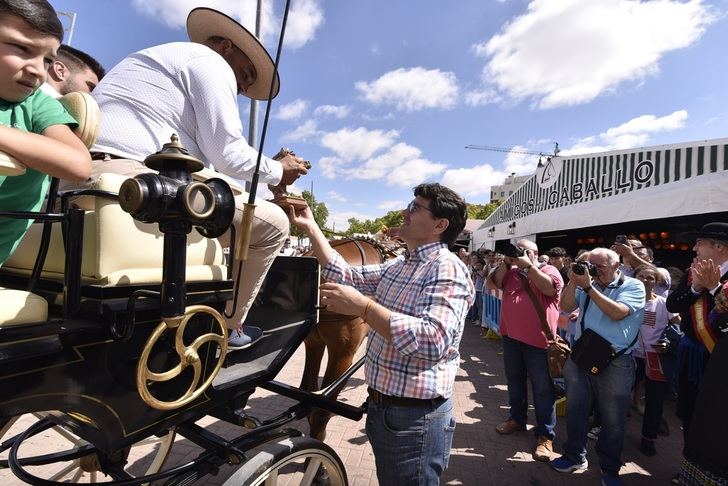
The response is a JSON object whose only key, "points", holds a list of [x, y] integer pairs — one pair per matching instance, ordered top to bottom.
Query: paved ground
{"points": [[479, 455]]}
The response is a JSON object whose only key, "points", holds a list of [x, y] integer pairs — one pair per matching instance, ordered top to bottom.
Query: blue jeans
{"points": [[522, 361], [611, 391], [411, 445]]}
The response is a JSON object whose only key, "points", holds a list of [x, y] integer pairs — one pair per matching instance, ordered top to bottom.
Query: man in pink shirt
{"points": [[524, 343]]}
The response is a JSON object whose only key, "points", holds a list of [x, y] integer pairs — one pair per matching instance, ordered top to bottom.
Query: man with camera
{"points": [[527, 284], [601, 367]]}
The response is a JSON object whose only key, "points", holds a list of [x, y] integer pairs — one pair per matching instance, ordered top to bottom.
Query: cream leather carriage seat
{"points": [[117, 250], [19, 306]]}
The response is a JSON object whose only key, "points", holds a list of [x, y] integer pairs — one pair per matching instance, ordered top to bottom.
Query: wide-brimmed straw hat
{"points": [[203, 23], [710, 231]]}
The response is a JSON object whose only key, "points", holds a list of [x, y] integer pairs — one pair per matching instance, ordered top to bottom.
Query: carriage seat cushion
{"points": [[118, 250], [20, 307]]}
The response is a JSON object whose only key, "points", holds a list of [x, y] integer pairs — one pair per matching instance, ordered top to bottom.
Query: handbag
{"points": [[557, 350], [591, 352]]}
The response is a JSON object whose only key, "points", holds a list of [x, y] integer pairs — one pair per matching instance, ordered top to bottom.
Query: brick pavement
{"points": [[479, 455]]}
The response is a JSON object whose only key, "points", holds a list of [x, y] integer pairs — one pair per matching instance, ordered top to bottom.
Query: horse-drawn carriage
{"points": [[111, 332]]}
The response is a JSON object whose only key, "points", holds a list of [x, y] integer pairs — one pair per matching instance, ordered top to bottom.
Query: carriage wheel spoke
{"points": [[74, 464], [310, 472]]}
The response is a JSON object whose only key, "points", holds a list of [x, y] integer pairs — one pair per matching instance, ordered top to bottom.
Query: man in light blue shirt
{"points": [[612, 305]]}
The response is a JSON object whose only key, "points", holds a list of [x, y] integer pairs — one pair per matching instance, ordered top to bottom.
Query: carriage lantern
{"points": [[177, 203]]}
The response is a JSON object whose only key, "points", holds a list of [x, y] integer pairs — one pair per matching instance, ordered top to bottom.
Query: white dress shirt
{"points": [[183, 88]]}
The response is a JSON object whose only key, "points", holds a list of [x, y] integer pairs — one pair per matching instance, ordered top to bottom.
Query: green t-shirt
{"points": [[26, 192]]}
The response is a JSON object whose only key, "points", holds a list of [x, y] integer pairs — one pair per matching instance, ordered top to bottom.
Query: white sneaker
{"points": [[243, 337]]}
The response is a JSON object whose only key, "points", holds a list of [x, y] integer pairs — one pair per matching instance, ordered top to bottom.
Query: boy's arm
{"points": [[57, 152]]}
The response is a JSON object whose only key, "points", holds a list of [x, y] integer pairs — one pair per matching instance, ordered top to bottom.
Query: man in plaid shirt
{"points": [[416, 306]]}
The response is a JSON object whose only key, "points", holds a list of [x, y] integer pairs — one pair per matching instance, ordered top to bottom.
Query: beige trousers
{"points": [[269, 232]]}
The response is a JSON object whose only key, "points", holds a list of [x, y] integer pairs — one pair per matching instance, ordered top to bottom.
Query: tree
{"points": [[319, 210], [481, 211], [390, 220]]}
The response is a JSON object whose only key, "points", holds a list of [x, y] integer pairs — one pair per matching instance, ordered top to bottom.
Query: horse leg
{"points": [[314, 346], [341, 346]]}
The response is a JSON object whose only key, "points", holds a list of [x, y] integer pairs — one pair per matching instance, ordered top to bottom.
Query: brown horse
{"points": [[340, 335]]}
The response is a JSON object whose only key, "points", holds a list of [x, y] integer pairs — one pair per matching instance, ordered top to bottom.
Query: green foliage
{"points": [[481, 211], [390, 220]]}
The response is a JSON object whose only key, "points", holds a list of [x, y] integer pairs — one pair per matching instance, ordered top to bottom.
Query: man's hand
{"points": [[293, 168], [303, 219], [623, 250], [521, 262], [705, 274], [582, 281], [342, 299]]}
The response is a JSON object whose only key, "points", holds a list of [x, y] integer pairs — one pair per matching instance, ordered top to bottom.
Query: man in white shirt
{"points": [[191, 88]]}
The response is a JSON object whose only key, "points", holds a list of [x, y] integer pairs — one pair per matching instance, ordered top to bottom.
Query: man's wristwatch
{"points": [[587, 289]]}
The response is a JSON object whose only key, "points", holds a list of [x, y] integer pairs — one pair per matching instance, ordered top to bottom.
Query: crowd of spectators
{"points": [[659, 326]]}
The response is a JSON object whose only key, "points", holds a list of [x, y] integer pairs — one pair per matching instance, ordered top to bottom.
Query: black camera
{"points": [[622, 239], [513, 251], [580, 268]]}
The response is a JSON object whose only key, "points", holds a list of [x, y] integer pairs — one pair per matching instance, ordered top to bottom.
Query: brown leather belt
{"points": [[103, 156], [388, 400]]}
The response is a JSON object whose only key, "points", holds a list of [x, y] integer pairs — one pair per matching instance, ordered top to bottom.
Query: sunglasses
{"points": [[413, 206]]}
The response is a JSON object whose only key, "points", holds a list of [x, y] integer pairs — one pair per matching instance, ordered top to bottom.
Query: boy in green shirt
{"points": [[34, 128]]}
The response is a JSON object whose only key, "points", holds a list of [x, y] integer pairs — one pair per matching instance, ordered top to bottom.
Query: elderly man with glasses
{"points": [[416, 306], [612, 306]]}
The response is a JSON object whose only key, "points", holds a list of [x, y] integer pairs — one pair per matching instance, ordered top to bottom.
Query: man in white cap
{"points": [[191, 88]]}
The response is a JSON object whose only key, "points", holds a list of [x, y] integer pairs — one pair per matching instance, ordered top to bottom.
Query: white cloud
{"points": [[305, 17], [571, 51], [412, 89], [482, 97], [293, 110], [338, 111], [302, 133], [633, 133], [359, 143], [374, 155], [521, 164], [401, 165], [329, 166], [474, 181], [335, 196], [391, 205]]}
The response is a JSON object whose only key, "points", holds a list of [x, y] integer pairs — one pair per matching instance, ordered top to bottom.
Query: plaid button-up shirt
{"points": [[429, 293]]}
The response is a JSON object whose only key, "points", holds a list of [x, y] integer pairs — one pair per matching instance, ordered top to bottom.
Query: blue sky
{"points": [[381, 95]]}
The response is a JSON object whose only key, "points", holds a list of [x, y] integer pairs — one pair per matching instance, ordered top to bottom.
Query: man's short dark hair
{"points": [[39, 14], [75, 59], [445, 203], [556, 251]]}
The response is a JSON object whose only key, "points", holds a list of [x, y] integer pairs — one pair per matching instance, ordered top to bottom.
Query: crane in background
{"points": [[491, 148]]}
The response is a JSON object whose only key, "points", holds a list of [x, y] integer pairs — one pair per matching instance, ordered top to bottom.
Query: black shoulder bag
{"points": [[591, 352]]}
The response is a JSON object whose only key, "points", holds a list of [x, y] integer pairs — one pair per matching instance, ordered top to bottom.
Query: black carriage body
{"points": [[78, 367]]}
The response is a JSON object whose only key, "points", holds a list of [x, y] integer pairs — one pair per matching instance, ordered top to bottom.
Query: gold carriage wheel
{"points": [[188, 356]]}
